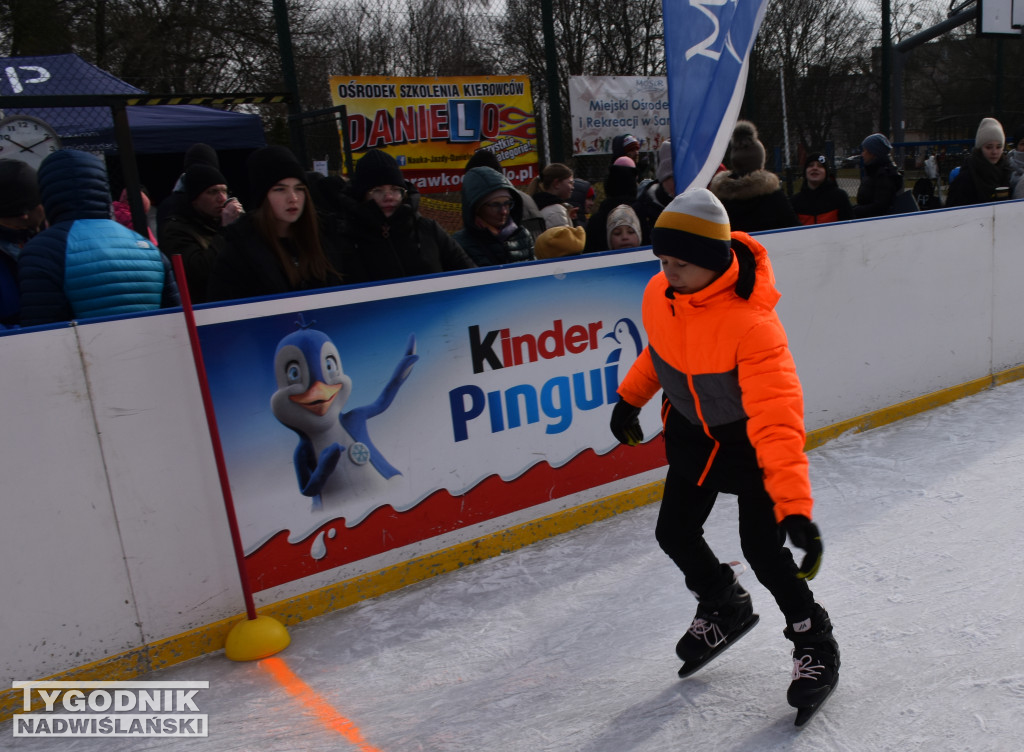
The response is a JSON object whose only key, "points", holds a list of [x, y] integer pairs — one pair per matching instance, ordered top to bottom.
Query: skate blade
{"points": [[691, 667], [804, 714]]}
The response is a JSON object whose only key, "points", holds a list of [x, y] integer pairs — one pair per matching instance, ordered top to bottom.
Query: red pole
{"points": [[211, 422]]}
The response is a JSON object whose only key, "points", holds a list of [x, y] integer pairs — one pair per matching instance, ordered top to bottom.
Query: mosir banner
{"points": [[603, 107], [433, 125], [358, 421]]}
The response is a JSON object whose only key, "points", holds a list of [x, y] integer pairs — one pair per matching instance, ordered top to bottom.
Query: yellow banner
{"points": [[432, 126]]}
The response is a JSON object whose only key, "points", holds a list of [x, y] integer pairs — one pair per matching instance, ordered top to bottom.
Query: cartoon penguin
{"points": [[624, 332], [336, 462]]}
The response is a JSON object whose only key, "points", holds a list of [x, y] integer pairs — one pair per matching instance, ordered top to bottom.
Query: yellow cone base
{"points": [[252, 639]]}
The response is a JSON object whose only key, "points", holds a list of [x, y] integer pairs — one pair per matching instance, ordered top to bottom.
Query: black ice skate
{"points": [[720, 621], [815, 664]]}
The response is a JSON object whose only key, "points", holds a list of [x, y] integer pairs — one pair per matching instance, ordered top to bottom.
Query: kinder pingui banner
{"points": [[603, 107], [432, 126], [359, 421]]}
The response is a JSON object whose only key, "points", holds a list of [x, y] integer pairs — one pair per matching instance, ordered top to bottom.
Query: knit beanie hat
{"points": [[989, 131], [623, 142], [876, 144], [747, 150], [201, 154], [483, 158], [819, 158], [624, 162], [664, 162], [269, 166], [377, 168], [199, 177], [621, 181], [19, 188], [623, 215], [694, 227], [560, 241]]}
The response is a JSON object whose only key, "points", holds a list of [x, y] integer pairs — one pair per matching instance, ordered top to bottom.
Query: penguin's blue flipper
{"points": [[401, 373], [354, 421], [314, 474]]}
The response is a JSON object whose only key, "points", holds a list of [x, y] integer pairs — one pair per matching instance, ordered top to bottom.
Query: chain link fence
{"points": [[801, 100]]}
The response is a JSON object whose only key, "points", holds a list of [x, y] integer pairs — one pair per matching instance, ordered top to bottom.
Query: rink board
{"points": [[452, 402], [115, 543]]}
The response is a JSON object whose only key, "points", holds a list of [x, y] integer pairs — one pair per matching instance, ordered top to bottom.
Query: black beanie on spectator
{"points": [[201, 154], [484, 158], [269, 166], [376, 168], [199, 177], [19, 189]]}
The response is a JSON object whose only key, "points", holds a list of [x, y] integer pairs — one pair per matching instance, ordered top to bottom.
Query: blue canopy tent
{"points": [[155, 129]]}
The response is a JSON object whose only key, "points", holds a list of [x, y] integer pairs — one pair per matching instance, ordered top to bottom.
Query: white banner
{"points": [[603, 107]]}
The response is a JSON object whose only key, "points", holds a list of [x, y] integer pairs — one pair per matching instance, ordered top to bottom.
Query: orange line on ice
{"points": [[314, 703]]}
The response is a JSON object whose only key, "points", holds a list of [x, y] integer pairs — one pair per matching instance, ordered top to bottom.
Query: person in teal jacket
{"points": [[86, 265]]}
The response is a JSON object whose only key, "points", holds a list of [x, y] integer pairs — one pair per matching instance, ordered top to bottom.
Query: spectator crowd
{"points": [[68, 252]]}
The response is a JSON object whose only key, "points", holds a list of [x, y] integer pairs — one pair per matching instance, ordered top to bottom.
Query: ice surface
{"points": [[568, 645]]}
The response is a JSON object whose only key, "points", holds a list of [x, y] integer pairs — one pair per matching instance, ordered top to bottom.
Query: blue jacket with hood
{"points": [[86, 265]]}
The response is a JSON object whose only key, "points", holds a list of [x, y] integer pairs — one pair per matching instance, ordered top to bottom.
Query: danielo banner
{"points": [[603, 107], [433, 125], [358, 421]]}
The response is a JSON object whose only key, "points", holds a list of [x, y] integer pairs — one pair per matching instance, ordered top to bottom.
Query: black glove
{"points": [[625, 424], [804, 535]]}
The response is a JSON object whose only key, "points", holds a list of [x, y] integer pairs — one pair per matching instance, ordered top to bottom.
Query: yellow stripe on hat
{"points": [[694, 225]]}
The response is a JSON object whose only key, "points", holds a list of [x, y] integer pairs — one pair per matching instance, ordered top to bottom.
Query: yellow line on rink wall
{"points": [[210, 637]]}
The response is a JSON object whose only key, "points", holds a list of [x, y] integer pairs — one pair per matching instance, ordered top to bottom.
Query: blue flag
{"points": [[707, 53]]}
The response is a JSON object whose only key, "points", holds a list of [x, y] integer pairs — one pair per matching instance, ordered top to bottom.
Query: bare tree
{"points": [[591, 39], [820, 54]]}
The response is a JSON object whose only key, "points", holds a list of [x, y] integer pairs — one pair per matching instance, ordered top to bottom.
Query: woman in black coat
{"points": [[985, 174], [880, 180], [619, 188], [752, 195], [387, 236], [277, 248]]}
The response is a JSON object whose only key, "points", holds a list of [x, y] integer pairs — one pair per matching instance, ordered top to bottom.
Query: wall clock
{"points": [[27, 139]]}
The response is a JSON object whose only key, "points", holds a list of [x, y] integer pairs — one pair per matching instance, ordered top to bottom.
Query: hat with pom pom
{"points": [[747, 151], [694, 227]]}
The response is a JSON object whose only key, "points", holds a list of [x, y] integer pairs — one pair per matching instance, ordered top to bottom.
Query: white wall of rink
{"points": [[114, 532]]}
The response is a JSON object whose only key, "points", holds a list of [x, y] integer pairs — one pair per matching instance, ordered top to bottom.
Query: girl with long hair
{"points": [[278, 247]]}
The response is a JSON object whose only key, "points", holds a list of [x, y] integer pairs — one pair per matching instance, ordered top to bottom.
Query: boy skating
{"points": [[733, 422]]}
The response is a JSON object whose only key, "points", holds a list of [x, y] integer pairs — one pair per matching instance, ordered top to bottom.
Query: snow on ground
{"points": [[568, 645]]}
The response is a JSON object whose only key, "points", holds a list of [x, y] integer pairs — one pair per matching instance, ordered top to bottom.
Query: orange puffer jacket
{"points": [[724, 364]]}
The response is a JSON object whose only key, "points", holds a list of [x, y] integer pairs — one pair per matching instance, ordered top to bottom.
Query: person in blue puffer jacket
{"points": [[86, 265]]}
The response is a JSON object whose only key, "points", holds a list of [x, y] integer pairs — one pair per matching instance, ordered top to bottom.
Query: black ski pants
{"points": [[685, 508]]}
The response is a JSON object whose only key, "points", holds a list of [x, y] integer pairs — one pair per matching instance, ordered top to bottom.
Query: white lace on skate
{"points": [[708, 631], [804, 667]]}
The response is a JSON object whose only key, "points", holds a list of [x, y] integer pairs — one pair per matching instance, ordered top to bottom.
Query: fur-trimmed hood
{"points": [[729, 186]]}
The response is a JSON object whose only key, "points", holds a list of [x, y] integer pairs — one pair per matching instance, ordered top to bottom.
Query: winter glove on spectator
{"points": [[625, 423], [804, 535]]}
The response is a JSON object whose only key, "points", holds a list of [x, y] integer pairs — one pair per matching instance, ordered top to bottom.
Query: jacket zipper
{"points": [[707, 431]]}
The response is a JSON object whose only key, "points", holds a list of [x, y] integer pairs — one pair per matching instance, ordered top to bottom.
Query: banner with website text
{"points": [[707, 52], [603, 107], [432, 126], [359, 421]]}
